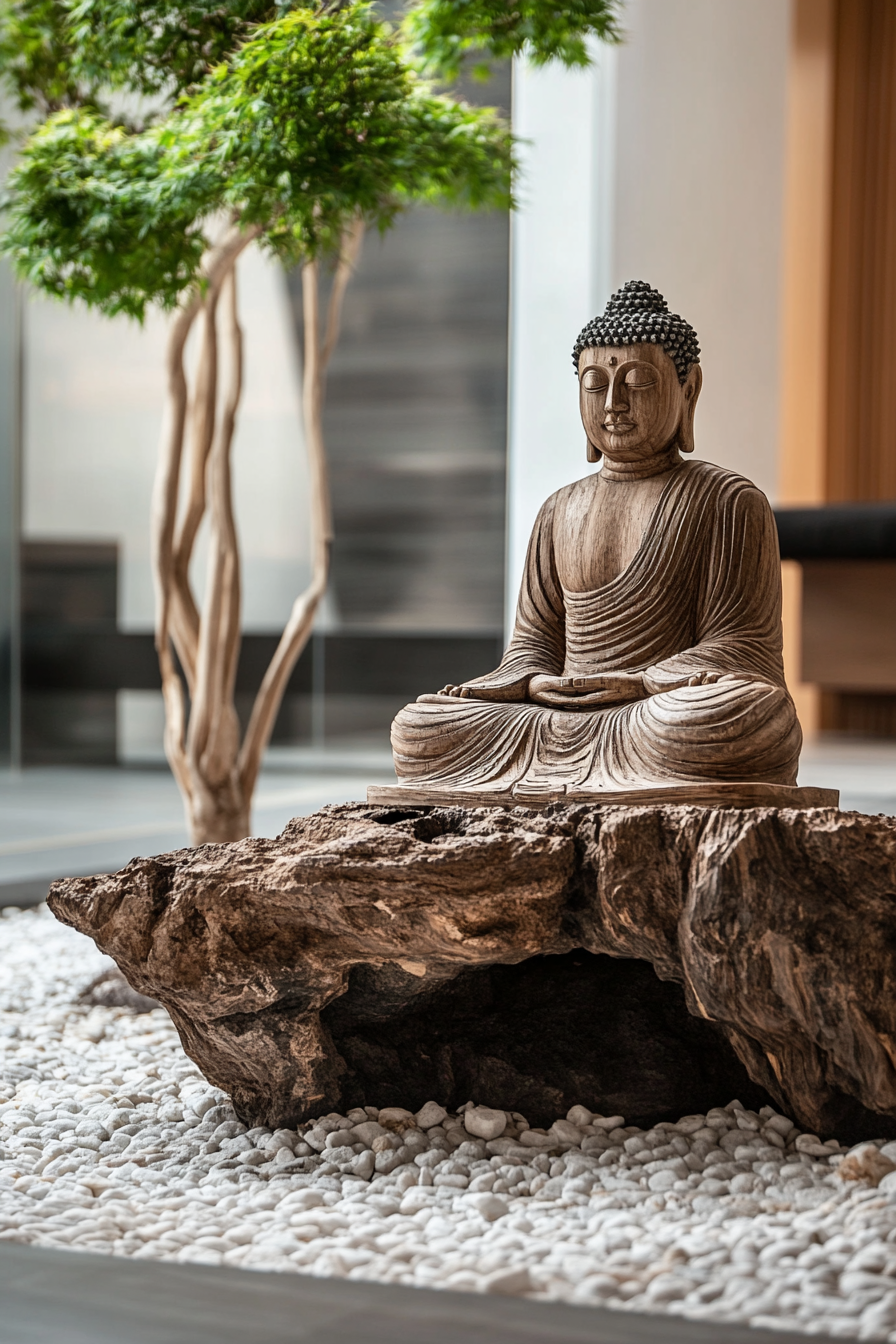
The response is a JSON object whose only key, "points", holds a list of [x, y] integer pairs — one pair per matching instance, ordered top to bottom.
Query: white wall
{"points": [[684, 126], [699, 200], [561, 260], [94, 396]]}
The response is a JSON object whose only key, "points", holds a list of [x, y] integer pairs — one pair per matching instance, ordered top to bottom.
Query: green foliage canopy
{"points": [[447, 33], [160, 46], [68, 53], [35, 56], [161, 117], [320, 117], [316, 118], [94, 215]]}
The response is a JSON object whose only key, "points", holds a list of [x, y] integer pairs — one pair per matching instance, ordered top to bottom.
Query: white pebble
{"points": [[430, 1115], [394, 1117], [484, 1123], [566, 1132], [531, 1138], [110, 1140], [491, 1207], [510, 1282]]}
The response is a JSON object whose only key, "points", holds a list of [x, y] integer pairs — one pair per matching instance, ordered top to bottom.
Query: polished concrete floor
{"points": [[863, 770], [64, 822], [60, 1297]]}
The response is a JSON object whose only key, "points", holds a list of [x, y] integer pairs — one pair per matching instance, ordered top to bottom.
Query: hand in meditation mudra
{"points": [[647, 644]]}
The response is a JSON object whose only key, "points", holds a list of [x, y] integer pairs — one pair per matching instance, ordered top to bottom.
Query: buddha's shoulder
{"points": [[697, 469], [718, 483]]}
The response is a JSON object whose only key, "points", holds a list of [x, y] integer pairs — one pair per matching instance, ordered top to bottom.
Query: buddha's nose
{"points": [[616, 394]]}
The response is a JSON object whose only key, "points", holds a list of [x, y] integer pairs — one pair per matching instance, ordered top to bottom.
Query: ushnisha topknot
{"points": [[637, 314]]}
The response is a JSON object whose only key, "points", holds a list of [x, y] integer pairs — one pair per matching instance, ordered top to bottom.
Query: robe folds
{"points": [[702, 594]]}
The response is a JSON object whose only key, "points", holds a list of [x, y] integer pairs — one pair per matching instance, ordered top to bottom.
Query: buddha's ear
{"points": [[691, 390], [593, 454]]}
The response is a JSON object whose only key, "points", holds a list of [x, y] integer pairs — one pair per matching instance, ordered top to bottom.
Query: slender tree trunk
{"points": [[301, 620], [178, 625], [215, 774], [218, 807]]}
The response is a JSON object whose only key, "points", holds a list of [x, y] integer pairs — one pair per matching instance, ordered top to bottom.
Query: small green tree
{"points": [[450, 35], [174, 133], [297, 133]]}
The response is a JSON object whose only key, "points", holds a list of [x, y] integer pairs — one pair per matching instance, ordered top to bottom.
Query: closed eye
{"points": [[640, 378]]}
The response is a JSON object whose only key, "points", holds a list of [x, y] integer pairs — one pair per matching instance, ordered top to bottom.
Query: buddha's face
{"points": [[632, 404]]}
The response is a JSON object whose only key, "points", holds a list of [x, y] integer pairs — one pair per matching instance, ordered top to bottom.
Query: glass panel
{"points": [[10, 437]]}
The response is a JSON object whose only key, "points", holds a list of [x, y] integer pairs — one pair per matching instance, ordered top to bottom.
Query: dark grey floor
{"points": [[62, 821], [24, 894], [62, 1297]]}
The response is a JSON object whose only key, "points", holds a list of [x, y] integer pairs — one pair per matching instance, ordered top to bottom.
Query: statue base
{"points": [[709, 794]]}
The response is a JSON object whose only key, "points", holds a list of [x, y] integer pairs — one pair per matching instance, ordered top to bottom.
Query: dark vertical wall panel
{"points": [[416, 424], [416, 428]]}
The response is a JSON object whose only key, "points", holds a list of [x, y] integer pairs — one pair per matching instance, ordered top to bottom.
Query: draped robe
{"points": [[702, 594]]}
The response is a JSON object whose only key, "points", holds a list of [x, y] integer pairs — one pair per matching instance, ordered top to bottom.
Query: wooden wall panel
{"points": [[807, 254], [806, 303], [838, 423], [861, 448], [849, 624]]}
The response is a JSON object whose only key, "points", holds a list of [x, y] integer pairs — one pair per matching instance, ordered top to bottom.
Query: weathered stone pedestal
{"points": [[388, 956]]}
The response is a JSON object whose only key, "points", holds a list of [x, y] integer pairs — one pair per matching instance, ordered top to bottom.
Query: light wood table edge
{"points": [[711, 795]]}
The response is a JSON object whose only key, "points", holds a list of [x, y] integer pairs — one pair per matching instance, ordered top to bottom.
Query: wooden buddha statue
{"points": [[647, 644]]}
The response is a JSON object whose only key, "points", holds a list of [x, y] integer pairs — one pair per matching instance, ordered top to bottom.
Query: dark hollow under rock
{"points": [[392, 955], [538, 1038]]}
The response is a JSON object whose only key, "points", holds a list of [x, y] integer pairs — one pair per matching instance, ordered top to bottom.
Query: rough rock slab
{"points": [[370, 952]]}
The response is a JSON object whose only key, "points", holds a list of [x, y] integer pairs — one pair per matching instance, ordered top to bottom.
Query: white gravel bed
{"points": [[112, 1142]]}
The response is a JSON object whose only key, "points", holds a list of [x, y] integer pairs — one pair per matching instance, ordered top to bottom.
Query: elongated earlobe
{"points": [[686, 428], [593, 454]]}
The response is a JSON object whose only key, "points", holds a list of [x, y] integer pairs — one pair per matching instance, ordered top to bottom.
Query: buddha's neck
{"points": [[665, 460]]}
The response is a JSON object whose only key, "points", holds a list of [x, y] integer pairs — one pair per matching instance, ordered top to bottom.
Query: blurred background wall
{"points": [[738, 154], [665, 163]]}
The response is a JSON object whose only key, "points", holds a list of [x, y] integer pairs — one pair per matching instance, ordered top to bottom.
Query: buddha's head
{"points": [[639, 377]]}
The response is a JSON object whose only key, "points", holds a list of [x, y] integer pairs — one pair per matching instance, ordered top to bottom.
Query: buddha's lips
{"points": [[618, 426]]}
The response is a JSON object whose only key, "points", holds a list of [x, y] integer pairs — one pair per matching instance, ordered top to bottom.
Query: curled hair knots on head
{"points": [[636, 315]]}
